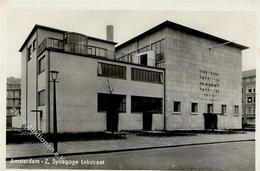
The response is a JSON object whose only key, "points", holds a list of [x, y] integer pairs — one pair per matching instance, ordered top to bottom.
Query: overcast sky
{"points": [[231, 25]]}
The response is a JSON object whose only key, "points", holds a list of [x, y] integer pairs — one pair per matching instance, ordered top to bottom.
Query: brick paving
{"points": [[132, 142]]}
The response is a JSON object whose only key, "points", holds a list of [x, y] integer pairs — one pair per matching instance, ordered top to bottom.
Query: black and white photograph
{"points": [[133, 85]]}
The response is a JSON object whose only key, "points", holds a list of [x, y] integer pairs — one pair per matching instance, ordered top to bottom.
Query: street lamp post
{"points": [[53, 76]]}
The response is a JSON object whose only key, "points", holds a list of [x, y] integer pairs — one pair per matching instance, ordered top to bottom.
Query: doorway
{"points": [[112, 121], [147, 121], [211, 121]]}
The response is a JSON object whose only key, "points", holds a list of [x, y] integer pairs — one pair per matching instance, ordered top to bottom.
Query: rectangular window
{"points": [[34, 44], [29, 53], [41, 64], [112, 71], [146, 76], [250, 89], [41, 98], [249, 99], [111, 102], [141, 104], [176, 106], [194, 107], [210, 108], [223, 109], [236, 110], [251, 120]]}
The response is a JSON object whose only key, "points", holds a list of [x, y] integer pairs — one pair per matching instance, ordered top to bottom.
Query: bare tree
{"points": [[109, 86]]}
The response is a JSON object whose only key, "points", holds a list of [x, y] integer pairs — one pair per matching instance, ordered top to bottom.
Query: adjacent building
{"points": [[170, 77], [13, 100], [248, 101]]}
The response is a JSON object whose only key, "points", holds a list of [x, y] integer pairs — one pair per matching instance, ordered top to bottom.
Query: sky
{"points": [[237, 26]]}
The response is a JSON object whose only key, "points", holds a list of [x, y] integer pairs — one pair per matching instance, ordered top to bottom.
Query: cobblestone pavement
{"points": [[132, 142]]}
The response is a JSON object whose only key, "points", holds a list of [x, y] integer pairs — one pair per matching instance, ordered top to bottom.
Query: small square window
{"points": [[249, 99], [176, 106], [194, 107]]}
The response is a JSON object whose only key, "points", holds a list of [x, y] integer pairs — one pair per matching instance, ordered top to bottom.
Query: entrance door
{"points": [[112, 121], [147, 121], [211, 121]]}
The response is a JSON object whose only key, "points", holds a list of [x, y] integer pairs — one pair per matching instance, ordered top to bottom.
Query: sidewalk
{"points": [[132, 142]]}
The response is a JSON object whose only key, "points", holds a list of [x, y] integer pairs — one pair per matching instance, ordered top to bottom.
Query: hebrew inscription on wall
{"points": [[209, 84]]}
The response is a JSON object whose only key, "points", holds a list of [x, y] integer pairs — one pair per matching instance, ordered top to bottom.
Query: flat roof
{"points": [[36, 26], [181, 28], [248, 73]]}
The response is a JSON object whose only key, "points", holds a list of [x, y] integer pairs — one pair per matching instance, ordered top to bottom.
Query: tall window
{"points": [[34, 44], [158, 48], [29, 52], [41, 64], [112, 71], [146, 76], [41, 98], [111, 102], [146, 104], [176, 106], [194, 107], [210, 108], [223, 109], [236, 110]]}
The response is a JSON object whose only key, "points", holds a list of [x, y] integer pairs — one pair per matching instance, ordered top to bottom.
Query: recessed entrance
{"points": [[112, 104], [112, 121], [147, 121], [211, 121]]}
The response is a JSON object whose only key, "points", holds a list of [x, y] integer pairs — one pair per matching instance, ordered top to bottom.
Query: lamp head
{"points": [[54, 75]]}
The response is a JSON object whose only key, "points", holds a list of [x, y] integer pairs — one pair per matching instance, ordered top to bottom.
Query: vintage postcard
{"points": [[134, 85]]}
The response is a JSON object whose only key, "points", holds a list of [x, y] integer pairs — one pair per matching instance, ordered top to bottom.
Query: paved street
{"points": [[132, 142], [219, 156]]}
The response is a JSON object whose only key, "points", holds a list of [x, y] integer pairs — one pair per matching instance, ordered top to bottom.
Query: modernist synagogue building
{"points": [[170, 77]]}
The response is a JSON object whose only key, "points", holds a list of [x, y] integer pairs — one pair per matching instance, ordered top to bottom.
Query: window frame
{"points": [[34, 44], [29, 53], [40, 70], [108, 70], [147, 76], [39, 98], [247, 98], [143, 99], [178, 103], [122, 107], [196, 108], [223, 109], [236, 110]]}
